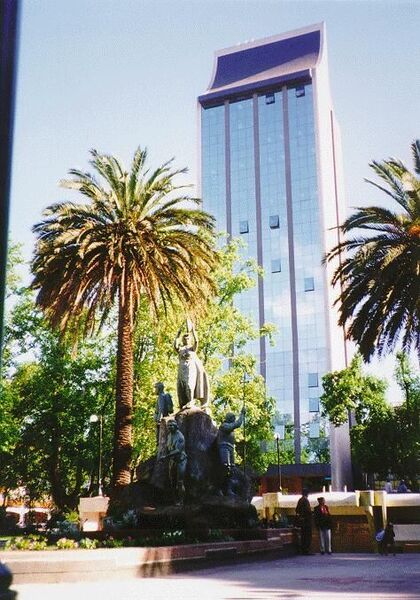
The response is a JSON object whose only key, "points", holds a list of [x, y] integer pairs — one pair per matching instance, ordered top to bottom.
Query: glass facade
{"points": [[213, 166], [253, 166]]}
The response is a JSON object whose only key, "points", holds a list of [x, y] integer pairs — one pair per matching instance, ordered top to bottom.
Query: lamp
{"points": [[246, 379], [98, 419], [277, 438]]}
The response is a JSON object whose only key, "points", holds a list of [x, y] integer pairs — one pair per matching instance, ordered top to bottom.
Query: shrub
{"points": [[30, 542], [110, 542], [66, 544], [88, 544]]}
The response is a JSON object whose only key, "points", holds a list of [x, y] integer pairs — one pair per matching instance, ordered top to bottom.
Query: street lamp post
{"points": [[245, 380], [99, 419], [277, 438]]}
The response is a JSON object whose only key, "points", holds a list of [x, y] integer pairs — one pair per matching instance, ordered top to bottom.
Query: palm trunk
{"points": [[124, 398]]}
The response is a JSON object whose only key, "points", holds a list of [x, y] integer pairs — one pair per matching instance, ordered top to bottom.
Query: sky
{"points": [[116, 74]]}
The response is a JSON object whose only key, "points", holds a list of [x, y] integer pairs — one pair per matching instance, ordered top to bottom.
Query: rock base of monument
{"points": [[212, 499], [211, 513]]}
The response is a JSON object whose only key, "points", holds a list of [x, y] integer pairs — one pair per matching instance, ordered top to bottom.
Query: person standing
{"points": [[388, 486], [304, 520], [323, 523], [388, 540]]}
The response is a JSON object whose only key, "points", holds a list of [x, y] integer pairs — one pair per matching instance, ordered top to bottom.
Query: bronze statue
{"points": [[192, 380], [163, 407], [226, 446], [175, 452]]}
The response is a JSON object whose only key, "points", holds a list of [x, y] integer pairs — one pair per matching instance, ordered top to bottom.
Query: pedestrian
{"points": [[388, 485], [402, 488], [304, 521], [323, 523], [388, 540]]}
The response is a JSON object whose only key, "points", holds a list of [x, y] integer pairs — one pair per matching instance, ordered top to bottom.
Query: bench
{"points": [[407, 536]]}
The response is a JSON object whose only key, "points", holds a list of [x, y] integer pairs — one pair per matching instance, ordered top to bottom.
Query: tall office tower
{"points": [[270, 173]]}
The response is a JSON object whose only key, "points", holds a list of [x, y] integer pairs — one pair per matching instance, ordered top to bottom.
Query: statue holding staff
{"points": [[192, 380]]}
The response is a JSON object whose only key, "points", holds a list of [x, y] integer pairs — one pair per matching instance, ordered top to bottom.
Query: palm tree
{"points": [[138, 236], [379, 301]]}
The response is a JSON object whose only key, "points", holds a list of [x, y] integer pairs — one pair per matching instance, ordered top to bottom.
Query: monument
{"points": [[192, 481]]}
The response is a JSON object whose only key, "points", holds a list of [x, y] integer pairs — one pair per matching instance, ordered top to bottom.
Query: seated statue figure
{"points": [[192, 380], [226, 446]]}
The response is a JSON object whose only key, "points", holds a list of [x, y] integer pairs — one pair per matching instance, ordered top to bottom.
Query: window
{"points": [[300, 91], [270, 98], [274, 222], [243, 227], [276, 265], [309, 284], [312, 379], [313, 404], [314, 430]]}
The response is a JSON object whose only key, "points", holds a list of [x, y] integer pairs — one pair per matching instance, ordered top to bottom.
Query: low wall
{"points": [[89, 565]]}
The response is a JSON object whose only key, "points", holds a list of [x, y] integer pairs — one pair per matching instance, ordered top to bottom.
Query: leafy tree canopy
{"points": [[378, 271], [350, 390]]}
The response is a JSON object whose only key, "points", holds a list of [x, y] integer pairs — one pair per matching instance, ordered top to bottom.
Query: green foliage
{"points": [[133, 236], [378, 273], [223, 332], [52, 388], [350, 390], [49, 395], [385, 439], [318, 449], [30, 542], [66, 544], [88, 544]]}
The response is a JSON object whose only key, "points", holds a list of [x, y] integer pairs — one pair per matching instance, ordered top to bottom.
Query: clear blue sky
{"points": [[115, 74]]}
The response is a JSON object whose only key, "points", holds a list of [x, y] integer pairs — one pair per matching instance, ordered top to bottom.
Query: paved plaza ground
{"points": [[338, 577]]}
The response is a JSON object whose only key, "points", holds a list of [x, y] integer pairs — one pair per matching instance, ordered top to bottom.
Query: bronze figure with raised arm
{"points": [[192, 380]]}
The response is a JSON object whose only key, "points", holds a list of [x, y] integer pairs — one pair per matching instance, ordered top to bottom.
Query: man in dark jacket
{"points": [[304, 521], [323, 523]]}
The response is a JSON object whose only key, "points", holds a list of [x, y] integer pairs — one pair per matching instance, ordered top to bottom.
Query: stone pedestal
{"points": [[92, 512]]}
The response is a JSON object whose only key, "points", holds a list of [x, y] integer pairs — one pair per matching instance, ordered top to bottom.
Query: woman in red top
{"points": [[322, 520]]}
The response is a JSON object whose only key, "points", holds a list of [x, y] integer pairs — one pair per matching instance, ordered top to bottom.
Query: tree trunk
{"points": [[124, 398]]}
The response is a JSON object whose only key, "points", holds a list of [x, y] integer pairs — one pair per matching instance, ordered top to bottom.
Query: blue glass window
{"points": [[243, 227], [276, 265], [309, 284], [312, 379], [313, 405]]}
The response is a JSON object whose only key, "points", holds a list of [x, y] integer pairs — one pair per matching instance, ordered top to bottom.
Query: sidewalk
{"points": [[339, 577]]}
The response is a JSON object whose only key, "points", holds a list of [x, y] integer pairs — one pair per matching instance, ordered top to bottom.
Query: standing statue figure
{"points": [[192, 381], [163, 407], [226, 446], [175, 452]]}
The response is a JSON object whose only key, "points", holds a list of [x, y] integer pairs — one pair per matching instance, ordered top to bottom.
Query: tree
{"points": [[135, 238], [379, 302], [223, 332], [350, 390], [52, 391], [385, 439]]}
